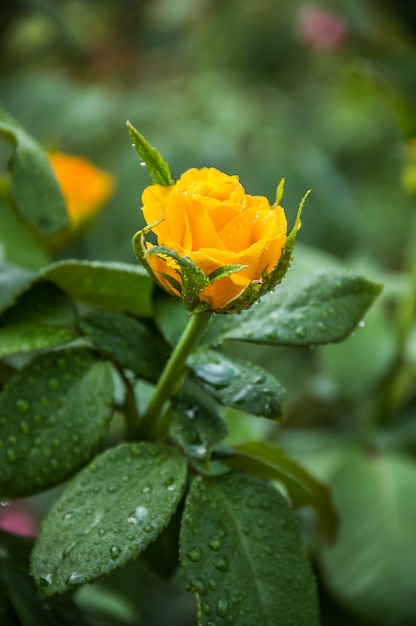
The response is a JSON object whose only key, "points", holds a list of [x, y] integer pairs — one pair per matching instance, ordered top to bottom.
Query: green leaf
{"points": [[158, 168], [33, 187], [18, 243], [13, 282], [117, 286], [322, 308], [42, 317], [127, 342], [238, 384], [54, 413], [197, 427], [303, 489], [107, 515], [242, 555], [371, 569], [21, 600]]}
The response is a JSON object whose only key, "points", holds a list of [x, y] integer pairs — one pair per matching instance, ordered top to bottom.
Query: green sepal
{"points": [[157, 166], [279, 191]]}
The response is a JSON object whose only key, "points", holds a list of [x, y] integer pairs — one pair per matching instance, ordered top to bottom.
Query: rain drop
{"points": [[53, 384], [22, 406], [24, 428], [11, 455], [215, 544], [115, 552], [194, 555], [221, 564]]}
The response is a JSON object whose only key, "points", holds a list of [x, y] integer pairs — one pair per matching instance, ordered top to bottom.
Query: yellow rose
{"points": [[84, 187], [208, 218]]}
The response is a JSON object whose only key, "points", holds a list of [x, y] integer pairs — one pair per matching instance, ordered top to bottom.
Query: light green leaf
{"points": [[158, 168], [33, 187], [13, 282], [117, 286], [322, 308], [43, 317], [127, 342], [238, 384], [54, 414], [197, 427], [304, 490], [107, 515], [242, 555], [372, 567]]}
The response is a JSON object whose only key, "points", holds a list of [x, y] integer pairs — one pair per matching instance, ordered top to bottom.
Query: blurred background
{"points": [[322, 93]]}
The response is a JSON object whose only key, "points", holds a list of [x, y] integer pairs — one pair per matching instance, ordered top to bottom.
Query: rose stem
{"points": [[153, 420]]}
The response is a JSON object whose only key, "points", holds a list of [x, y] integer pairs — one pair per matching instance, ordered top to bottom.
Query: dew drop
{"points": [[300, 331], [22, 406], [24, 428], [11, 455], [215, 544], [115, 552], [194, 555], [221, 564], [199, 586], [223, 604], [205, 608]]}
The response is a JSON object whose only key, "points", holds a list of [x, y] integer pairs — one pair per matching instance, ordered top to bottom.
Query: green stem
{"points": [[154, 421]]}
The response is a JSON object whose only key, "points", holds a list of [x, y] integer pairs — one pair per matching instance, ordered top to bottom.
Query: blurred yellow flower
{"points": [[85, 187], [208, 218]]}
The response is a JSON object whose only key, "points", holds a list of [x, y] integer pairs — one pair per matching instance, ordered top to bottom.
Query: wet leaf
{"points": [[157, 166], [13, 282], [321, 308], [42, 317], [127, 342], [238, 384], [54, 413], [304, 490], [107, 515], [242, 555]]}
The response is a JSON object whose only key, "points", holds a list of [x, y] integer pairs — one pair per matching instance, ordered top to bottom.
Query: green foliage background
{"points": [[233, 85]]}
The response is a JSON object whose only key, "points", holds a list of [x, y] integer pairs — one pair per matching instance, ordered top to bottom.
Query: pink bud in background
{"points": [[320, 29], [19, 517]]}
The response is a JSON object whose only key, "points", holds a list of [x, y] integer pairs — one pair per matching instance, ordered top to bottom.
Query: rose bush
{"points": [[208, 218]]}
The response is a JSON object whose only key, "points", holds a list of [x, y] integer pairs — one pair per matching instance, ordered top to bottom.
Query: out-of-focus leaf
{"points": [[33, 187], [13, 282], [238, 384], [54, 413], [107, 515], [242, 555], [372, 567]]}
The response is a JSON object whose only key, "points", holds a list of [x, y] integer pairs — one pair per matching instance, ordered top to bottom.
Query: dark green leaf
{"points": [[158, 168], [33, 187], [17, 241], [13, 282], [116, 286], [321, 308], [42, 317], [127, 342], [238, 384], [54, 413], [197, 427], [303, 489], [107, 515], [242, 555], [371, 568], [24, 604]]}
